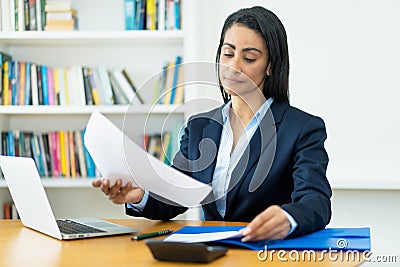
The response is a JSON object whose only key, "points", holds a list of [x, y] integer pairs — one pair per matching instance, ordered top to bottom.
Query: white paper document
{"points": [[118, 157], [203, 237]]}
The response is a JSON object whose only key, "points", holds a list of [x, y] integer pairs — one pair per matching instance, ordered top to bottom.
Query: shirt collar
{"points": [[259, 114]]}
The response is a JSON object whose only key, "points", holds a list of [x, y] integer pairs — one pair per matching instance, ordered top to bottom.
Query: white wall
{"points": [[344, 57], [344, 61], [377, 209]]}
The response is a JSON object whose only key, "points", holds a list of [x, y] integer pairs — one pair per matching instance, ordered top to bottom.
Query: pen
{"points": [[150, 235]]}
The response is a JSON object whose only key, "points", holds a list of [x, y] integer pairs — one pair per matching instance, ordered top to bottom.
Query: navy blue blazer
{"points": [[284, 164]]}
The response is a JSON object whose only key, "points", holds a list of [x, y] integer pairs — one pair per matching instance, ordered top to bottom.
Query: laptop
{"points": [[34, 209]]}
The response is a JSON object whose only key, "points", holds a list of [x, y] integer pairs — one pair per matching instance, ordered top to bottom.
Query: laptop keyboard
{"points": [[71, 227]]}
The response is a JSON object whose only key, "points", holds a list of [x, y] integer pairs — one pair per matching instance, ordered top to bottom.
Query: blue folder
{"points": [[329, 238]]}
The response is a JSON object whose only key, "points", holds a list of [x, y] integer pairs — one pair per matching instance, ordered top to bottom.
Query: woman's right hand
{"points": [[117, 193]]}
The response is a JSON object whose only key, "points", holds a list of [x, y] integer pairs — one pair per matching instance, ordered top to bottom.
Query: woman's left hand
{"points": [[270, 224]]}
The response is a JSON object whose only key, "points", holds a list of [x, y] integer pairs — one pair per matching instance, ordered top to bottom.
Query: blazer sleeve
{"points": [[311, 205], [156, 207]]}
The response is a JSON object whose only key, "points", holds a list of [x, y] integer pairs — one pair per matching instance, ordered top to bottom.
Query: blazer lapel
{"points": [[211, 132], [211, 138], [259, 154]]}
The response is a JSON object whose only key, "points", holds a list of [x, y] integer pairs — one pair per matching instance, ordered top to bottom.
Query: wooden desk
{"points": [[20, 246]]}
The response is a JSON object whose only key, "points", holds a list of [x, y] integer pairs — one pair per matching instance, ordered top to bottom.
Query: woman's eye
{"points": [[228, 55], [250, 60]]}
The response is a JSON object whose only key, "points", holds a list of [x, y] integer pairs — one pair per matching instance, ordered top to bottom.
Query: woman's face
{"points": [[243, 59]]}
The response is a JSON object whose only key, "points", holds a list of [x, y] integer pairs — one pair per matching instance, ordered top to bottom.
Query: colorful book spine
{"points": [[129, 12], [175, 79], [22, 81], [13, 82], [27, 84], [34, 85], [50, 86], [93, 87], [45, 88], [5, 92], [10, 144], [62, 153], [57, 154], [81, 154], [67, 155], [72, 160], [90, 166]]}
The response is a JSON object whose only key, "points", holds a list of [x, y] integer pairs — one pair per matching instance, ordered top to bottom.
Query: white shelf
{"points": [[98, 38], [112, 109], [60, 183], [87, 183], [366, 185]]}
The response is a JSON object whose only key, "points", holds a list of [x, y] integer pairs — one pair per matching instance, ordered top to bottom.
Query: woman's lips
{"points": [[232, 80]]}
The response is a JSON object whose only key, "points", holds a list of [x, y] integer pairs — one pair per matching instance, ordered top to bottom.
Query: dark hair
{"points": [[268, 25]]}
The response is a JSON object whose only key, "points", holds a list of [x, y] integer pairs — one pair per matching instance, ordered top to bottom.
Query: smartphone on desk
{"points": [[185, 252]]}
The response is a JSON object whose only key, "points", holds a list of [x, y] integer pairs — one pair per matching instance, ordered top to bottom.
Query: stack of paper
{"points": [[118, 157]]}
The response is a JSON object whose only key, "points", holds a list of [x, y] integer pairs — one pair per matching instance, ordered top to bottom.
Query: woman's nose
{"points": [[234, 65]]}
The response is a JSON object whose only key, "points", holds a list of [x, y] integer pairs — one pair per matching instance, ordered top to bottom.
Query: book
{"points": [[58, 5], [129, 13], [6, 15], [19, 15], [32, 15], [142, 15], [151, 15], [161, 15], [61, 16], [39, 17], [27, 20], [60, 25], [4, 57], [178, 62], [13, 76], [169, 76], [129, 80], [86, 83], [27, 84], [39, 84], [34, 85], [56, 85], [50, 86], [105, 86], [180, 86], [94, 87], [125, 87], [45, 88], [76, 88], [5, 90], [118, 95], [4, 143], [10, 144], [27, 144], [154, 145], [165, 148], [36, 153], [47, 153], [53, 153], [63, 153], [81, 154], [43, 155], [72, 159], [90, 167], [7, 211]]}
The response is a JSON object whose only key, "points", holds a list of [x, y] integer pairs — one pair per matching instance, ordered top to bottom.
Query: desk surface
{"points": [[20, 246]]}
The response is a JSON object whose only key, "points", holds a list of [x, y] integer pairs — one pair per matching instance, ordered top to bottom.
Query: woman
{"points": [[270, 168]]}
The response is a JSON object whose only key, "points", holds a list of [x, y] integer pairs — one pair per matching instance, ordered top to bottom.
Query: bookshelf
{"points": [[100, 41]]}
